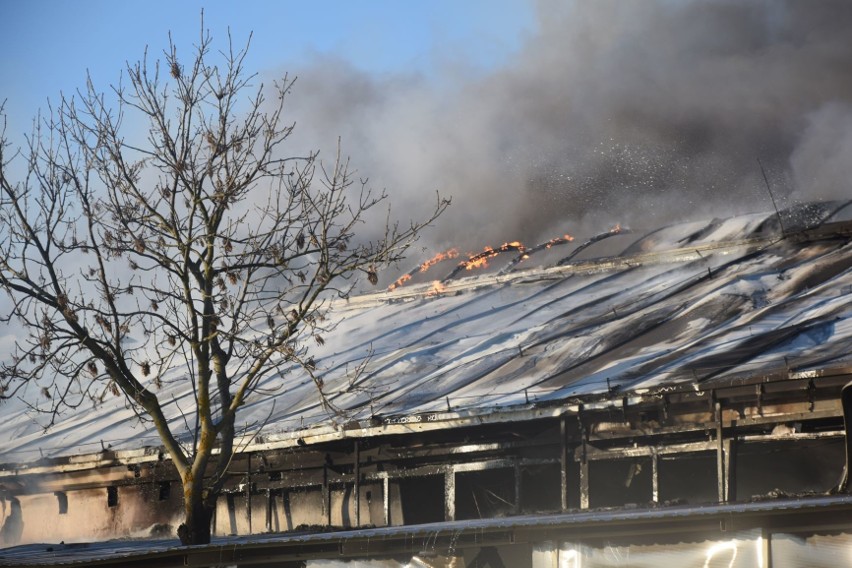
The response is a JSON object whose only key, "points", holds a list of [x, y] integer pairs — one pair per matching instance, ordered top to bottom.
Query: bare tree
{"points": [[195, 249]]}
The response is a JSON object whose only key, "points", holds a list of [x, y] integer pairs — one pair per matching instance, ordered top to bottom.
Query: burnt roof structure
{"points": [[685, 309], [702, 365]]}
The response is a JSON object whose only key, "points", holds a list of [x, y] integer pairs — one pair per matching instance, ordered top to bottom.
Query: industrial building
{"points": [[677, 402]]}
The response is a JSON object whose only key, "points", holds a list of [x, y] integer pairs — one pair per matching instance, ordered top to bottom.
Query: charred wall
{"points": [[723, 446], [129, 511]]}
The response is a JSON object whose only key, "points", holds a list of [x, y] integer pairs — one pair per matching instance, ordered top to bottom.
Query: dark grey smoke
{"points": [[644, 112]]}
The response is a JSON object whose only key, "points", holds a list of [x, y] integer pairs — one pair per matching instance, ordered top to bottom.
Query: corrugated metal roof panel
{"points": [[688, 311]]}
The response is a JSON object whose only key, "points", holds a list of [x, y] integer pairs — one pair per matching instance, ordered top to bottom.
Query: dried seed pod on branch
{"points": [[173, 252]]}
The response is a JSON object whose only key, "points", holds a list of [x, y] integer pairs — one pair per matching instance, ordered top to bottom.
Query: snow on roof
{"points": [[688, 306]]}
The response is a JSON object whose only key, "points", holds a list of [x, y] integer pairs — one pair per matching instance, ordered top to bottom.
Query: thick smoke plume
{"points": [[643, 112]]}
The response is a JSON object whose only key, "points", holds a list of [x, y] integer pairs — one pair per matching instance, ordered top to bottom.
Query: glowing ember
{"points": [[557, 241], [526, 252], [452, 253], [441, 256], [481, 260], [400, 281], [437, 288]]}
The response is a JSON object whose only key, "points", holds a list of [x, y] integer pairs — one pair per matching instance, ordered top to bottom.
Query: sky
{"points": [[48, 46], [537, 117]]}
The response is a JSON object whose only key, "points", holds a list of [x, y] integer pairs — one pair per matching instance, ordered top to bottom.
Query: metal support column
{"points": [[846, 402], [730, 449], [720, 453], [563, 460], [584, 476], [655, 476], [357, 484], [248, 491], [450, 495], [326, 497], [269, 498], [386, 498], [517, 507], [765, 549]]}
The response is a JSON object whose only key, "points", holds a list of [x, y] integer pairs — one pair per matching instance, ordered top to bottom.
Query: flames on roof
{"points": [[686, 307]]}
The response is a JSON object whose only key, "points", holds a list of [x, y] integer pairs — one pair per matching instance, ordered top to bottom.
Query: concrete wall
{"points": [[145, 510], [287, 510], [89, 516]]}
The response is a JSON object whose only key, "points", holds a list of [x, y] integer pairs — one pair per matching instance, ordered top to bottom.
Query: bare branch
{"points": [[195, 259]]}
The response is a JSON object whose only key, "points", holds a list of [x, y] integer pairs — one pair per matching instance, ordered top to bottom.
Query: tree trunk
{"points": [[198, 513]]}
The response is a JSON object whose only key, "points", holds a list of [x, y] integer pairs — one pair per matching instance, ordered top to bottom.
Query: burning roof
{"points": [[686, 307]]}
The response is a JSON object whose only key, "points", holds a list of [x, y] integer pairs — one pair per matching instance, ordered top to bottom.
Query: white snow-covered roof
{"points": [[689, 306]]}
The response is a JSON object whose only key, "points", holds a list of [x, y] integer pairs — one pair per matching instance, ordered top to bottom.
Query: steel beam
{"points": [[450, 495]]}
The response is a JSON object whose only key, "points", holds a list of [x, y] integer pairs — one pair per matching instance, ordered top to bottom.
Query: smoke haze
{"points": [[643, 112]]}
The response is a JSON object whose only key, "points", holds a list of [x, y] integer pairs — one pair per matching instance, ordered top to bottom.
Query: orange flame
{"points": [[616, 228], [559, 240], [452, 253], [480, 260], [400, 281], [437, 288]]}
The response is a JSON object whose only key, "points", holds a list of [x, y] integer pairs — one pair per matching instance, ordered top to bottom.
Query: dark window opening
{"points": [[787, 467], [688, 478], [615, 483], [540, 488], [165, 491], [485, 494], [112, 496], [62, 499], [422, 499]]}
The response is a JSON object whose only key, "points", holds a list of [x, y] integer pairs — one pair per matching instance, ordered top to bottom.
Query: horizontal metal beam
{"points": [[808, 516]]}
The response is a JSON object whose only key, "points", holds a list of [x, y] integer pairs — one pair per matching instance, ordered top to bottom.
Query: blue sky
{"points": [[47, 46], [531, 112]]}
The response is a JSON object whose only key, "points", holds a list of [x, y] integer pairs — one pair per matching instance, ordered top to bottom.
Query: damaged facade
{"points": [[681, 394]]}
